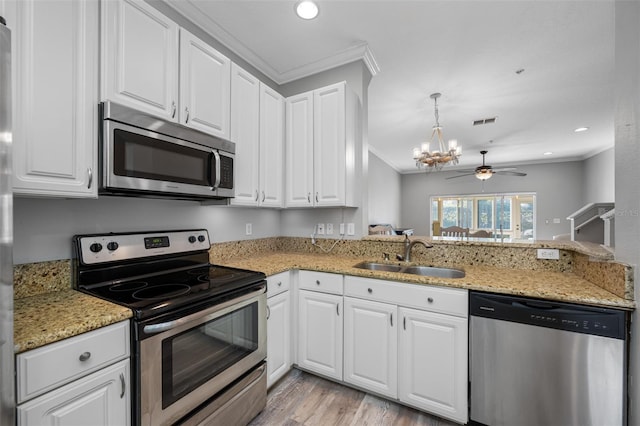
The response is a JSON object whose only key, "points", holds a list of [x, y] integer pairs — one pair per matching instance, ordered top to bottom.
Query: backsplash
{"points": [[44, 277]]}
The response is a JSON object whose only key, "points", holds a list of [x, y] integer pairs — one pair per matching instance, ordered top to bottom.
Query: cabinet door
{"points": [[139, 57], [55, 72], [205, 86], [245, 133], [329, 145], [271, 147], [299, 150], [320, 333], [278, 337], [371, 345], [433, 363], [102, 398]]}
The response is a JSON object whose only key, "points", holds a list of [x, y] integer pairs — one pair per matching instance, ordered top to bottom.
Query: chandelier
{"points": [[441, 155]]}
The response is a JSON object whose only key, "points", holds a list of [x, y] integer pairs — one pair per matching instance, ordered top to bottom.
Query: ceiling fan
{"points": [[485, 171]]}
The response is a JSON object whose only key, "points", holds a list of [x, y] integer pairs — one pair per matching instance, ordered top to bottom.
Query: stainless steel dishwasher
{"points": [[534, 362]]}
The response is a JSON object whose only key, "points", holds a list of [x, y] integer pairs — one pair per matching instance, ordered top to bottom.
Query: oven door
{"points": [[190, 359]]}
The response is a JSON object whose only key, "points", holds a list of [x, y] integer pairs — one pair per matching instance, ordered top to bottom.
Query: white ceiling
{"points": [[467, 50]]}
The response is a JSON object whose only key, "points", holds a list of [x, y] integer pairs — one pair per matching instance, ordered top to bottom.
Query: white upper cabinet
{"points": [[140, 57], [152, 65], [205, 86], [55, 96], [257, 129], [245, 133], [321, 143], [271, 147], [299, 150]]}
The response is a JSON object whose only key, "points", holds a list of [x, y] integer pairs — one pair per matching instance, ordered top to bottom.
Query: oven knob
{"points": [[201, 238], [192, 239], [112, 246], [95, 247]]}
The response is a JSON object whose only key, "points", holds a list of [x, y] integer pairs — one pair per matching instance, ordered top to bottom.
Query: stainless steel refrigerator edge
{"points": [[7, 397]]}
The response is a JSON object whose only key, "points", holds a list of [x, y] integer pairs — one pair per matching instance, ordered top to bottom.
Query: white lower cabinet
{"points": [[278, 327], [320, 333], [370, 345], [432, 363], [83, 380], [102, 398]]}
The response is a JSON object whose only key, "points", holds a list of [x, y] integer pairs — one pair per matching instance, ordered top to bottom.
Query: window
{"points": [[505, 216]]}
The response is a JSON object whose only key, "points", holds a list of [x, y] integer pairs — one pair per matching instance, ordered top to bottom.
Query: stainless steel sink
{"points": [[374, 266], [427, 271], [431, 271]]}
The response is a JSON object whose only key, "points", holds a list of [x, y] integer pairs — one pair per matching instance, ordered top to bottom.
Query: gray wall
{"points": [[627, 172], [599, 178], [558, 188], [384, 193], [43, 227]]}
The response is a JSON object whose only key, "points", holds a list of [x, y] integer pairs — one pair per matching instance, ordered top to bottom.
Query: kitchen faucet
{"points": [[408, 245]]}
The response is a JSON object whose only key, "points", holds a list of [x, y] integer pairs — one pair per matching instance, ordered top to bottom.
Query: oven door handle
{"points": [[159, 328]]}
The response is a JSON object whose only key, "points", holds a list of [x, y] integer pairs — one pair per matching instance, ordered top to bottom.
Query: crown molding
{"points": [[360, 51]]}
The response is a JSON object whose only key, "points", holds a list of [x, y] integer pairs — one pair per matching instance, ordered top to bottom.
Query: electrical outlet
{"points": [[329, 228], [248, 229], [320, 229], [342, 229], [351, 229], [553, 254]]}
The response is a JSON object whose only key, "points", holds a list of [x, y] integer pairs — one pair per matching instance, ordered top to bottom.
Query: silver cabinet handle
{"points": [[173, 109], [186, 120], [90, 173], [256, 195], [263, 196], [309, 197], [316, 197], [317, 282], [370, 290], [430, 299], [338, 309], [268, 312], [391, 316], [404, 323], [84, 356], [123, 385]]}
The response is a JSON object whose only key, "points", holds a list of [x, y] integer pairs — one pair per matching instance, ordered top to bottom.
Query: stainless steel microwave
{"points": [[142, 155]]}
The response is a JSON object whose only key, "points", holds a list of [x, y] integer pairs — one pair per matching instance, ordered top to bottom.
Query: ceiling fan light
{"points": [[484, 174]]}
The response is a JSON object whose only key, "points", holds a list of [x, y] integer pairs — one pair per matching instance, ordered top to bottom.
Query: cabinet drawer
{"points": [[320, 281], [278, 283], [451, 301], [51, 366]]}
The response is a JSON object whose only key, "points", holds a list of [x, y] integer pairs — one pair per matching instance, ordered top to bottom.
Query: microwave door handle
{"points": [[218, 165]]}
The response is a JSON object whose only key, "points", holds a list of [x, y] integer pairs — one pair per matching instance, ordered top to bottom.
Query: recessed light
{"points": [[306, 9], [581, 129], [547, 153]]}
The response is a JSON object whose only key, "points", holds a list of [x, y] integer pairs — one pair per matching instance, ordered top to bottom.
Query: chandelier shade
{"points": [[433, 155]]}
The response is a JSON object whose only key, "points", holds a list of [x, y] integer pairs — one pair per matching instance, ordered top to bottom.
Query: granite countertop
{"points": [[558, 286], [50, 317]]}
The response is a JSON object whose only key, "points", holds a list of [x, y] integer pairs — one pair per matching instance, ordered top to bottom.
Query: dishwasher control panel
{"points": [[558, 315]]}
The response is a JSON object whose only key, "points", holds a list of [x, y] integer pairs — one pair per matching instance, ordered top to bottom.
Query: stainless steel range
{"points": [[198, 331]]}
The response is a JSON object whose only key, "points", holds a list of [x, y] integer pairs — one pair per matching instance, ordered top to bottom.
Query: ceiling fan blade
{"points": [[505, 169], [465, 171], [510, 173], [467, 174]]}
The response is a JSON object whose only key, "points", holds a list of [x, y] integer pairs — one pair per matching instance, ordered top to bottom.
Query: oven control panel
{"points": [[95, 249]]}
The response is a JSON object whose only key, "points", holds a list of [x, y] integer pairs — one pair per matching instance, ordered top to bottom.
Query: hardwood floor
{"points": [[304, 399]]}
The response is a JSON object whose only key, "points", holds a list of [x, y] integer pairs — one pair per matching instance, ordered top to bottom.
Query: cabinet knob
{"points": [[173, 109], [186, 120], [263, 196], [318, 282], [279, 283], [370, 290], [430, 299], [84, 356]]}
